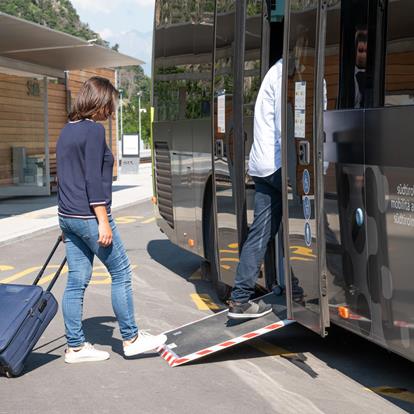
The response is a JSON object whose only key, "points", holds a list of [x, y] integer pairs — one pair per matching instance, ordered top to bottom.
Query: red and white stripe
{"points": [[174, 360]]}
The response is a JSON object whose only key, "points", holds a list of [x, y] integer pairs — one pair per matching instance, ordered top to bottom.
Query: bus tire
{"points": [[222, 290]]}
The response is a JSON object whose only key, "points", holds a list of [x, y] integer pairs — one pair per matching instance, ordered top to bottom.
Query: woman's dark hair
{"points": [[97, 95]]}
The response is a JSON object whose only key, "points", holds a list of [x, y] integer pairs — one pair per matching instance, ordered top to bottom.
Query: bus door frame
{"points": [[299, 311]]}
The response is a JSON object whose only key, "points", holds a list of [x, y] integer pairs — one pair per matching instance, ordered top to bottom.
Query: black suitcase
{"points": [[25, 313]]}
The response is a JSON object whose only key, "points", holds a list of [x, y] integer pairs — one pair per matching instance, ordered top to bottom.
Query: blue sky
{"points": [[126, 22]]}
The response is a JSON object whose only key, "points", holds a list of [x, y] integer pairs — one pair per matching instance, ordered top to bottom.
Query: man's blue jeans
{"points": [[266, 221], [81, 240]]}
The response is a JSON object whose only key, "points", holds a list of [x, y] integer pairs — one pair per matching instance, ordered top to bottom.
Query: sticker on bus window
{"points": [[300, 96], [221, 112], [300, 124]]}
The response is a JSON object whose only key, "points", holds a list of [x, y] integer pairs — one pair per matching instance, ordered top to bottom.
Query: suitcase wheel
{"points": [[9, 374]]}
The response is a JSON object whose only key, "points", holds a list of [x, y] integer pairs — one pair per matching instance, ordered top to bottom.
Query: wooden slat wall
{"points": [[76, 79], [22, 116], [21, 122]]}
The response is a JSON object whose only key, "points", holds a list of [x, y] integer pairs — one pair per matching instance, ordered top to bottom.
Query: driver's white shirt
{"points": [[265, 154]]}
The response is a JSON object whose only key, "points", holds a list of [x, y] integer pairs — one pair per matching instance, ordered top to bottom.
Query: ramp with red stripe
{"points": [[216, 333]]}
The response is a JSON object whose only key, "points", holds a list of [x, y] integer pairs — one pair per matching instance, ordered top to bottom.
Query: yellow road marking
{"points": [[127, 219], [150, 220], [233, 245], [230, 251], [302, 251], [229, 259], [302, 259], [225, 267], [4, 268], [21, 274], [49, 277], [204, 301], [269, 349], [394, 392]]}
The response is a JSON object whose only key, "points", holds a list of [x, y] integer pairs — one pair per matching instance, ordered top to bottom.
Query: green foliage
{"points": [[56, 14], [133, 80]]}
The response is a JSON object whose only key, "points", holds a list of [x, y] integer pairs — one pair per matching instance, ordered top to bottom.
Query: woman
{"points": [[84, 169]]}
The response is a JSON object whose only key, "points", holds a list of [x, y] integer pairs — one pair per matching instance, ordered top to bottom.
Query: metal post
{"points": [[120, 107], [139, 122], [46, 134]]}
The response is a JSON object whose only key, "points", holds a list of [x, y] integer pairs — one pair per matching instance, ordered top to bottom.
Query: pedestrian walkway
{"points": [[21, 218]]}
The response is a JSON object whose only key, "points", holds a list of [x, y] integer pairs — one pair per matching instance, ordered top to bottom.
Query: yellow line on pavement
{"points": [[127, 219], [150, 220], [233, 245], [230, 251], [229, 259], [302, 259], [225, 267], [4, 268], [18, 275], [49, 277], [204, 301], [269, 349], [394, 392]]}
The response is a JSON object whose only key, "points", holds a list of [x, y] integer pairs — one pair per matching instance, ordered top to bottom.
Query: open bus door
{"points": [[302, 166]]}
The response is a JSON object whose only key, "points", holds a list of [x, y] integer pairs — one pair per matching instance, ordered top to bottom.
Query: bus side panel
{"points": [[390, 220]]}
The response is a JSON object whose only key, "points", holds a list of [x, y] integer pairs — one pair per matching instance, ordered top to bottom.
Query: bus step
{"points": [[216, 332]]}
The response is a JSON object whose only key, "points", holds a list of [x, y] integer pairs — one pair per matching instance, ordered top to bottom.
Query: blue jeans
{"points": [[266, 221], [81, 240]]}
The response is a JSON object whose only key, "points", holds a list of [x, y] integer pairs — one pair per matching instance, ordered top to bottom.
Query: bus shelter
{"points": [[40, 71]]}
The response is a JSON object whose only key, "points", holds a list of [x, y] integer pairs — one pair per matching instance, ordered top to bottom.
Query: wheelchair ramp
{"points": [[216, 332]]}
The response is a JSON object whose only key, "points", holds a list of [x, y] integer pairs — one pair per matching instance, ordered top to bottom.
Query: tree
{"points": [[133, 80]]}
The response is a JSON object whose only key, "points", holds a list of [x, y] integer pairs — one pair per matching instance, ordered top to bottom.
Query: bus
{"points": [[347, 170]]}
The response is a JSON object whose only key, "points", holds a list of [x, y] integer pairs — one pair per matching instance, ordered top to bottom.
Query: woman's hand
{"points": [[104, 228], [105, 234]]}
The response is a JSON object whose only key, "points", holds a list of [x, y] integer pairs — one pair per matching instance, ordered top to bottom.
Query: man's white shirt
{"points": [[265, 154]]}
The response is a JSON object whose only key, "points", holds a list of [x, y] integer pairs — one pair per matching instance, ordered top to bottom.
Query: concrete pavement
{"points": [[27, 216], [289, 371]]}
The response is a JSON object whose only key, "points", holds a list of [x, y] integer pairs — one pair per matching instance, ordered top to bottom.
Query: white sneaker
{"points": [[143, 343], [87, 353]]}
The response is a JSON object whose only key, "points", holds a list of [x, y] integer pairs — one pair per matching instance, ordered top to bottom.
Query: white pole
{"points": [[120, 107], [139, 119]]}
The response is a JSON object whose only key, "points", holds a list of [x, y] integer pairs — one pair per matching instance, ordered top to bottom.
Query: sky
{"points": [[126, 22]]}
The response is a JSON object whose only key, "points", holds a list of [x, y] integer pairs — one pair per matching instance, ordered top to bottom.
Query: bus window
{"points": [[399, 66], [182, 83], [354, 91]]}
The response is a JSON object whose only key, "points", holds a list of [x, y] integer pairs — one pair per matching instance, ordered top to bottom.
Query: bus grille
{"points": [[163, 180]]}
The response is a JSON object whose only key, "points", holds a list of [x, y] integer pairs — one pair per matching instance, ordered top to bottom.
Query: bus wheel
{"points": [[223, 291]]}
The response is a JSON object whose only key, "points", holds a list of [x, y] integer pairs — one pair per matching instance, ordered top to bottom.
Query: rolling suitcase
{"points": [[25, 312]]}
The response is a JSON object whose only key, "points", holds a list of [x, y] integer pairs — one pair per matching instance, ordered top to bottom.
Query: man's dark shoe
{"points": [[248, 310]]}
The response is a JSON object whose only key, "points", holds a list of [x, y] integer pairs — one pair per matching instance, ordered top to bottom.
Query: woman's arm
{"points": [[105, 231]]}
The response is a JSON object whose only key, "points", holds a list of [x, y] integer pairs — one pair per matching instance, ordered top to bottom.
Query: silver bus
{"points": [[348, 160]]}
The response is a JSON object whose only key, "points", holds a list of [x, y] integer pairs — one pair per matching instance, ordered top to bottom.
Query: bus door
{"points": [[302, 166], [224, 182]]}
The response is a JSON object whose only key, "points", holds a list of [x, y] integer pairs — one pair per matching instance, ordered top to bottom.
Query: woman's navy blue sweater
{"points": [[84, 169]]}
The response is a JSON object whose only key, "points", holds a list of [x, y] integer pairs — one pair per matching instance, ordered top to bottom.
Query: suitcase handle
{"points": [[42, 270]]}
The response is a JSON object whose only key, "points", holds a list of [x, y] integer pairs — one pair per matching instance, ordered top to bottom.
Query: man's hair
{"points": [[96, 95]]}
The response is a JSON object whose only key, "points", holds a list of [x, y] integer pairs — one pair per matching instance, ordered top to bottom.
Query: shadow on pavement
{"points": [[21, 205], [184, 264], [99, 331], [36, 360]]}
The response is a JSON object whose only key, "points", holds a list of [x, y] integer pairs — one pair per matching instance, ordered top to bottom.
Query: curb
{"points": [[35, 233]]}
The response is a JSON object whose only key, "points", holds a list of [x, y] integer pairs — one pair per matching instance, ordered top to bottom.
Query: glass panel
{"points": [[399, 69], [252, 80], [22, 136], [224, 140], [299, 141], [346, 240]]}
